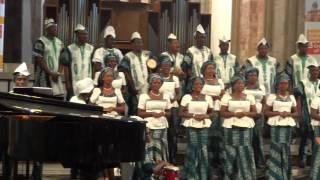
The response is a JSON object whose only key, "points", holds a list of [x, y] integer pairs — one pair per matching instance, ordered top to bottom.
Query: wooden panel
{"points": [[51, 3], [205, 7], [128, 18]]}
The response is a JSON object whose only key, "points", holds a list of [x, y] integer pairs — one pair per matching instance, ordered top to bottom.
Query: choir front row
{"points": [[220, 125]]}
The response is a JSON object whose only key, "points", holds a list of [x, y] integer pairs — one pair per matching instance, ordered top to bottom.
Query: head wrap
{"points": [[165, 59], [204, 66], [250, 70], [103, 72], [153, 77], [282, 77], [235, 79], [191, 83]]}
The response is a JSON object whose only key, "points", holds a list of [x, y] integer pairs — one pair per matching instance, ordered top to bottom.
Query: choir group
{"points": [[223, 108]]}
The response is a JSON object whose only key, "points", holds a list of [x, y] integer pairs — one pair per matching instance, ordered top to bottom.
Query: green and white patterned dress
{"points": [[49, 50], [195, 57], [78, 60], [226, 66], [297, 68], [268, 70], [307, 91], [158, 126], [237, 135], [257, 139], [215, 146], [279, 165], [196, 166], [315, 171]]}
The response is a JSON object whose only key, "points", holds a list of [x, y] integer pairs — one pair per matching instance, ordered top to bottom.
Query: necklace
{"points": [[154, 93]]}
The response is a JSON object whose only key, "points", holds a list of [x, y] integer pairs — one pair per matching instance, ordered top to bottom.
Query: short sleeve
{"points": [[38, 49], [98, 56], [123, 78], [176, 81], [221, 83], [263, 89], [95, 95], [167, 98], [120, 99], [225, 99], [251, 99], [270, 99], [293, 99], [185, 100], [142, 101], [210, 102], [315, 103]]}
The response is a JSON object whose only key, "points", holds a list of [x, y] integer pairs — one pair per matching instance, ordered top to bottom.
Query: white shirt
{"points": [[169, 88], [315, 104], [278, 120], [152, 122], [191, 122], [246, 122]]}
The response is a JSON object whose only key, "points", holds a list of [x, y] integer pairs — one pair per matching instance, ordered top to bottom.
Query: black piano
{"points": [[78, 136]]}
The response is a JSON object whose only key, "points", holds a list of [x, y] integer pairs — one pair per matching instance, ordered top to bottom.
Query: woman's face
{"points": [[112, 63], [166, 67], [210, 71], [314, 72], [108, 77], [252, 77], [21, 81], [156, 84], [197, 85], [239, 85], [283, 85]]}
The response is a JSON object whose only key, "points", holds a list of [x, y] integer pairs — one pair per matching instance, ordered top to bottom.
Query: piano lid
{"points": [[38, 105]]}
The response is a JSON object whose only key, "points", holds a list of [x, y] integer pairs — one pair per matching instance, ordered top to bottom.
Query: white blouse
{"points": [[116, 83], [169, 88], [214, 90], [258, 95], [107, 101], [315, 104], [149, 105], [238, 106], [281, 106], [196, 107]]}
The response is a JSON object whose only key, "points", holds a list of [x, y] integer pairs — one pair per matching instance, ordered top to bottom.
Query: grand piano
{"points": [[78, 136]]}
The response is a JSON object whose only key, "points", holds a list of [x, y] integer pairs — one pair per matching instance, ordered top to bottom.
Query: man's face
{"points": [[82, 37]]}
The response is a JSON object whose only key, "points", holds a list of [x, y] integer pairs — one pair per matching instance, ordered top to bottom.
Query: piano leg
{"points": [[6, 171], [37, 171], [88, 175]]}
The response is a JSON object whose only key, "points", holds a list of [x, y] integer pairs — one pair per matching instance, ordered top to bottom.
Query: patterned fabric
{"points": [[49, 50], [195, 57], [78, 60], [226, 66], [268, 71], [298, 71], [307, 91], [174, 123], [257, 142], [159, 143], [216, 146], [238, 153], [196, 165], [279, 166], [143, 170], [315, 171]]}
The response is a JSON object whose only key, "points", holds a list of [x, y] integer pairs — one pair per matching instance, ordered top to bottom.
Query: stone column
{"points": [[221, 17], [247, 27]]}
